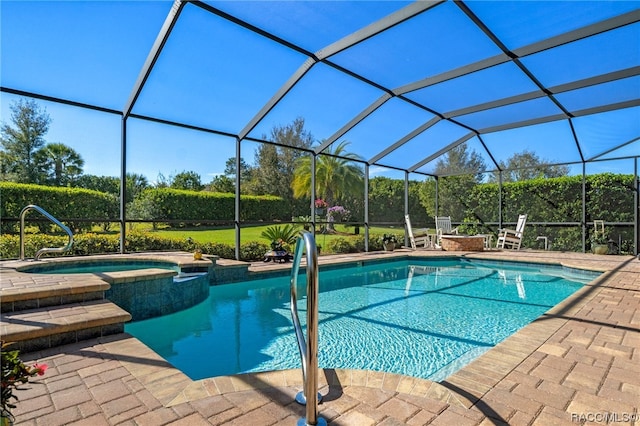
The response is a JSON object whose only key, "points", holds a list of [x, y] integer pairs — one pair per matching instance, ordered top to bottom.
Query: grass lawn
{"points": [[251, 233]]}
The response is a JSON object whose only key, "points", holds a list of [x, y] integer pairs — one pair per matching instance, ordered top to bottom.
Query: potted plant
{"points": [[320, 205], [281, 239], [389, 242], [600, 242], [197, 254], [14, 373]]}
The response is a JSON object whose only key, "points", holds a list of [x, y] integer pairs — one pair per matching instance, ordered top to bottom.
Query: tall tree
{"points": [[22, 140], [461, 160], [62, 164], [274, 165], [527, 165], [230, 169], [465, 169], [269, 176], [337, 176], [187, 180], [136, 183], [221, 183], [109, 184]]}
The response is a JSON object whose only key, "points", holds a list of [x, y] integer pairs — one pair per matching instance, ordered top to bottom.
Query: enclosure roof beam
{"points": [[250, 27], [377, 27], [580, 33], [571, 36], [357, 37], [153, 55], [514, 58], [450, 75], [595, 80], [575, 85], [278, 96], [62, 101], [495, 104], [609, 107], [353, 122], [523, 123], [405, 139], [442, 151], [595, 157]]}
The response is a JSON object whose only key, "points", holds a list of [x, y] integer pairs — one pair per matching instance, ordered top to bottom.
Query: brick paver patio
{"points": [[577, 364]]}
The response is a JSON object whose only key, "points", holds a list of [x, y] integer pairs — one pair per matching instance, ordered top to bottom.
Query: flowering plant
{"points": [[320, 203], [338, 211], [14, 373]]}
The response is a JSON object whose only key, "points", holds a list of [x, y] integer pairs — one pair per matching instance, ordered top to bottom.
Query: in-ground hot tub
{"points": [[145, 287]]}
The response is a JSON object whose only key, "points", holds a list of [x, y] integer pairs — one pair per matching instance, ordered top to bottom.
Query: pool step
{"points": [[29, 291], [41, 310], [46, 327]]}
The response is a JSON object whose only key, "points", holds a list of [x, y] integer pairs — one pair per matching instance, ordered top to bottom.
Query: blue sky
{"points": [[215, 74]]}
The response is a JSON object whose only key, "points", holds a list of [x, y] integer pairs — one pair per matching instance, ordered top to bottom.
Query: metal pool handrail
{"points": [[42, 251], [309, 349]]}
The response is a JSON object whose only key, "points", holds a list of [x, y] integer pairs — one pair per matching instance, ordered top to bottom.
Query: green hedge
{"points": [[608, 196], [66, 204], [70, 204], [176, 204], [90, 243]]}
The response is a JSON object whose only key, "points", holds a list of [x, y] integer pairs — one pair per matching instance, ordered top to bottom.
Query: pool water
{"points": [[100, 266], [419, 318]]}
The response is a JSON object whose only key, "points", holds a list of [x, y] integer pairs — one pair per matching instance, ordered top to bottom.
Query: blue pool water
{"points": [[99, 267], [420, 318]]}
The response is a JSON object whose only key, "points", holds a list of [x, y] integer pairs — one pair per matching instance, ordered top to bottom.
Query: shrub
{"points": [[144, 241], [358, 243], [10, 244], [85, 244], [341, 245], [225, 251], [253, 251]]}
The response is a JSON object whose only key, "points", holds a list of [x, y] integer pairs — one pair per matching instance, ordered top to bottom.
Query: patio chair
{"points": [[444, 227], [417, 236], [512, 238]]}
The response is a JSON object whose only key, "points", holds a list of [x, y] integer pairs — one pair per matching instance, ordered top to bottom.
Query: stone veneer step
{"points": [[36, 329]]}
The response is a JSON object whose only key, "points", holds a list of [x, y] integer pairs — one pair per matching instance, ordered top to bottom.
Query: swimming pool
{"points": [[422, 318]]}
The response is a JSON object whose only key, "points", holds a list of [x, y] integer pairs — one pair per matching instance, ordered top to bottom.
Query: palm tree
{"points": [[62, 162], [337, 177]]}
